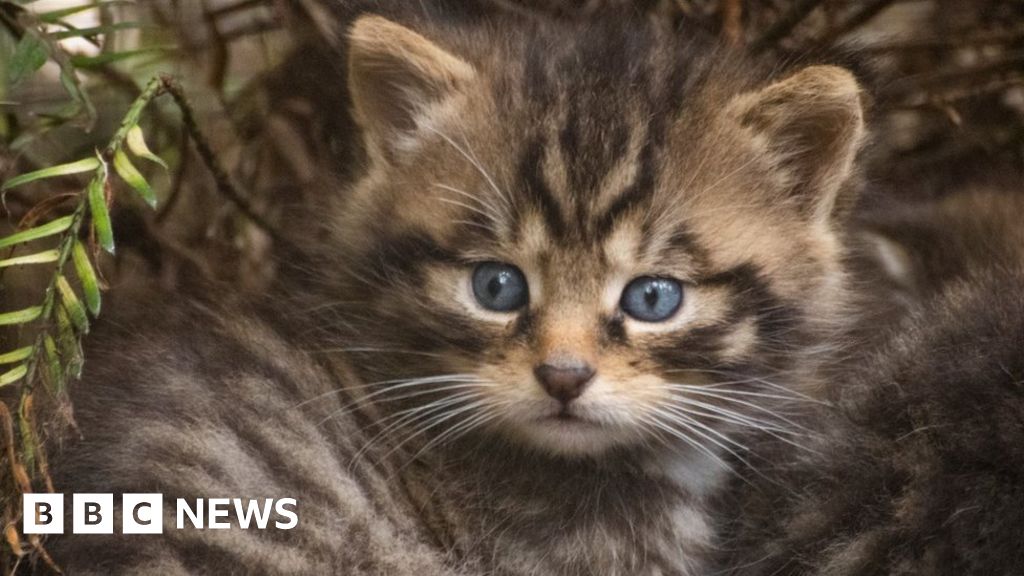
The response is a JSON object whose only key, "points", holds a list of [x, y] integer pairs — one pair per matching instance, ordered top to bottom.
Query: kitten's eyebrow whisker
{"points": [[472, 160], [714, 185], [503, 195], [468, 207], [492, 211], [473, 224]]}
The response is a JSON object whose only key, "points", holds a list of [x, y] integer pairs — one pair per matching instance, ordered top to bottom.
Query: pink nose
{"points": [[564, 381]]}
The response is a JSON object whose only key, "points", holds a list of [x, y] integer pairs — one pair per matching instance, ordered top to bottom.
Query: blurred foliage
{"points": [[78, 103], [87, 149]]}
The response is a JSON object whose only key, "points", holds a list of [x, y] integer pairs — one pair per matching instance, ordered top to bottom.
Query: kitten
{"points": [[583, 262], [922, 469]]}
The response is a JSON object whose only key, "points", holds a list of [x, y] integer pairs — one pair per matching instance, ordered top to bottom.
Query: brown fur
{"points": [[398, 410], [919, 468]]}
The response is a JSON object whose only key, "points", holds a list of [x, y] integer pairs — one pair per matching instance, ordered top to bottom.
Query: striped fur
{"points": [[406, 419], [920, 464]]}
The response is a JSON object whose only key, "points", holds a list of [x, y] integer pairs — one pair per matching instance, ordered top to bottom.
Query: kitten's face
{"points": [[585, 258]]}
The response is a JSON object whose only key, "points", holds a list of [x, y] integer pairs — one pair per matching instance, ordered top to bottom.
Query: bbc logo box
{"points": [[43, 513], [93, 513]]}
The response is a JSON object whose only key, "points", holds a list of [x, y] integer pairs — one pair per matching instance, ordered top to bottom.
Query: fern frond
{"points": [[63, 315]]}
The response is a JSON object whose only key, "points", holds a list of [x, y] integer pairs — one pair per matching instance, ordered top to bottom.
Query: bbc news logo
{"points": [[144, 513]]}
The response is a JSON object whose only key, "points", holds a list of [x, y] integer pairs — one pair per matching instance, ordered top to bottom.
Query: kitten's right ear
{"points": [[397, 78]]}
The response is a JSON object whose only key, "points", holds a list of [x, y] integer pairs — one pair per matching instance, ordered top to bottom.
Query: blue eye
{"points": [[500, 287], [651, 299]]}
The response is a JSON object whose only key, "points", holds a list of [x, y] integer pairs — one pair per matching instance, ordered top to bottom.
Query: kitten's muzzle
{"points": [[564, 380]]}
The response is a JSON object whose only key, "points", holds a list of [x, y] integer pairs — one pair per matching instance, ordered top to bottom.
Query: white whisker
{"points": [[472, 160], [701, 392], [408, 416], [731, 416], [657, 422]]}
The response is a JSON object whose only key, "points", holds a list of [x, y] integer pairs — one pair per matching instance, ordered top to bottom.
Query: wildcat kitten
{"points": [[584, 262], [922, 469]]}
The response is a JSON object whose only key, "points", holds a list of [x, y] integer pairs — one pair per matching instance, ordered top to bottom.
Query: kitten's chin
{"points": [[572, 437]]}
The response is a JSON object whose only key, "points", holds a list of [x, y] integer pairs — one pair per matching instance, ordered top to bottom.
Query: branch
{"points": [[855, 20], [732, 21], [784, 25], [983, 38], [220, 176]]}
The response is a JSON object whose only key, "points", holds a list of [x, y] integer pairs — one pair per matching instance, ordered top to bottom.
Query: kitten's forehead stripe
{"points": [[598, 137], [591, 143], [587, 164], [536, 187], [640, 190]]}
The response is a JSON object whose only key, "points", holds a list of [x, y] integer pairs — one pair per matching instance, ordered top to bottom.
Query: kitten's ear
{"points": [[397, 78], [811, 124]]}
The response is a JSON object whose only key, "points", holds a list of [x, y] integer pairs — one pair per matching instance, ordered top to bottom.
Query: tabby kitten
{"points": [[584, 261], [921, 471]]}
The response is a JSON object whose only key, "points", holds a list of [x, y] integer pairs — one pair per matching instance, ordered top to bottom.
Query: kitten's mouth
{"points": [[567, 416], [573, 430]]}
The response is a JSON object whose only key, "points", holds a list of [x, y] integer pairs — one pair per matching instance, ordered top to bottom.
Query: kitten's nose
{"points": [[564, 381]]}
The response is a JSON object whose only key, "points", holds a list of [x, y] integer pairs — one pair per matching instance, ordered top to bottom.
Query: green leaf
{"points": [[54, 16], [95, 30], [29, 55], [81, 61], [68, 78], [137, 144], [83, 165], [124, 167], [100, 215], [49, 229], [37, 258], [87, 276], [73, 305], [23, 316], [68, 343], [16, 355], [53, 363], [13, 375], [27, 432]]}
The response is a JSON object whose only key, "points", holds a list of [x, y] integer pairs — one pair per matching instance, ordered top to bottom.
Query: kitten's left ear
{"points": [[398, 78], [811, 124]]}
